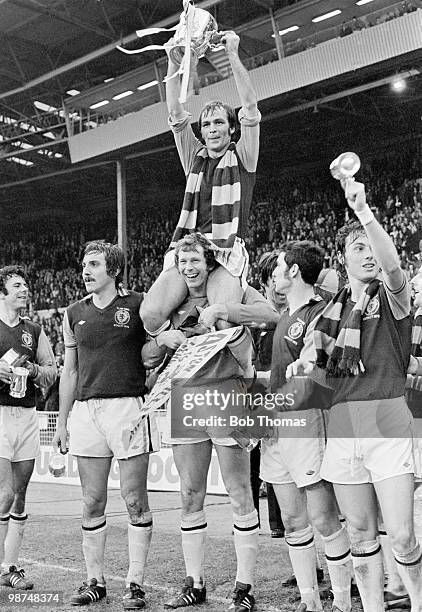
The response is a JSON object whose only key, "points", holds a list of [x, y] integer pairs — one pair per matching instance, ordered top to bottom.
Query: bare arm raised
{"points": [[241, 76], [175, 109], [381, 243]]}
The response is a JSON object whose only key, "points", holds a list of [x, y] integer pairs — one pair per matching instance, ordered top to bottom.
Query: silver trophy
{"points": [[200, 28], [195, 34], [345, 166]]}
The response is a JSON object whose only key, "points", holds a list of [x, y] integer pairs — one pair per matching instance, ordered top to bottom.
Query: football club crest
{"points": [[373, 307], [122, 316], [295, 330], [26, 339]]}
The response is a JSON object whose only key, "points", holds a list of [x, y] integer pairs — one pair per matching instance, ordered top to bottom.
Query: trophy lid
{"points": [[345, 165]]}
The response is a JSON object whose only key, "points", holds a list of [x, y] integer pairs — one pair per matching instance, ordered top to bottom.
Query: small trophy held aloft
{"points": [[345, 166]]}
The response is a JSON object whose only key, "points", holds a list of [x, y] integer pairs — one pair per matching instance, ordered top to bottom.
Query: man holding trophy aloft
{"points": [[220, 176]]}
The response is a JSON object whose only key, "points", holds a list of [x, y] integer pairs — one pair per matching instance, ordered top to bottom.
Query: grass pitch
{"points": [[52, 556]]}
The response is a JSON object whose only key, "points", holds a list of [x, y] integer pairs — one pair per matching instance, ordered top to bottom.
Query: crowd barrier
{"points": [[162, 475]]}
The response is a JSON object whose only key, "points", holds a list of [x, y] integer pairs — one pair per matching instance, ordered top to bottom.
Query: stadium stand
{"points": [[51, 207], [285, 209]]}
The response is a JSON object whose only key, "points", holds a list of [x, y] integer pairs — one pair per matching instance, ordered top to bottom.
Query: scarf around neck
{"points": [[225, 199], [338, 350]]}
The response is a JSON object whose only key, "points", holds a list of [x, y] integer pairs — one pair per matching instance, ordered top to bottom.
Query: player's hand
{"points": [[231, 41], [168, 46], [355, 194], [210, 315], [172, 339], [298, 368], [32, 370], [5, 372], [271, 436], [60, 440]]}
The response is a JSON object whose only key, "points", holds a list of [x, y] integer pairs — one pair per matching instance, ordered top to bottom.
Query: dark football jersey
{"points": [[23, 338], [109, 342], [288, 343], [385, 351]]}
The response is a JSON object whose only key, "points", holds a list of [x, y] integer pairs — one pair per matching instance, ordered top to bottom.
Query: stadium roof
{"points": [[49, 48]]}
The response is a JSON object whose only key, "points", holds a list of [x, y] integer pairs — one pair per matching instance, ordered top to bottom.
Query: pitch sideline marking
{"points": [[51, 566]]}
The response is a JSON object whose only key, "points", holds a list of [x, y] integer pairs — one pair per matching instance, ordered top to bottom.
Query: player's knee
{"points": [[223, 287], [143, 307], [148, 312], [153, 318], [240, 496], [7, 497], [192, 499], [133, 503], [93, 505], [18, 506], [325, 521], [294, 522], [360, 529], [403, 539]]}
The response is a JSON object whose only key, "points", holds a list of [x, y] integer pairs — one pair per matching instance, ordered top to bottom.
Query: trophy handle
{"points": [[215, 41]]}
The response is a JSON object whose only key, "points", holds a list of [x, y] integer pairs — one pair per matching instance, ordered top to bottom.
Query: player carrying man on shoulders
{"points": [[220, 177], [192, 446]]}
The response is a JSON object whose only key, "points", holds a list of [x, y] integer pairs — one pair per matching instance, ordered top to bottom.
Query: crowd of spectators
{"points": [[359, 23], [354, 25], [347, 27], [208, 75], [307, 206], [315, 211]]}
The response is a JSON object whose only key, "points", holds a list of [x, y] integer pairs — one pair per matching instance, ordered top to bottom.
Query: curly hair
{"points": [[191, 242], [9, 271]]}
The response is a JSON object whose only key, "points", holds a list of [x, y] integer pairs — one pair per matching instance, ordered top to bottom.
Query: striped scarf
{"points": [[225, 199], [416, 348], [338, 350]]}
